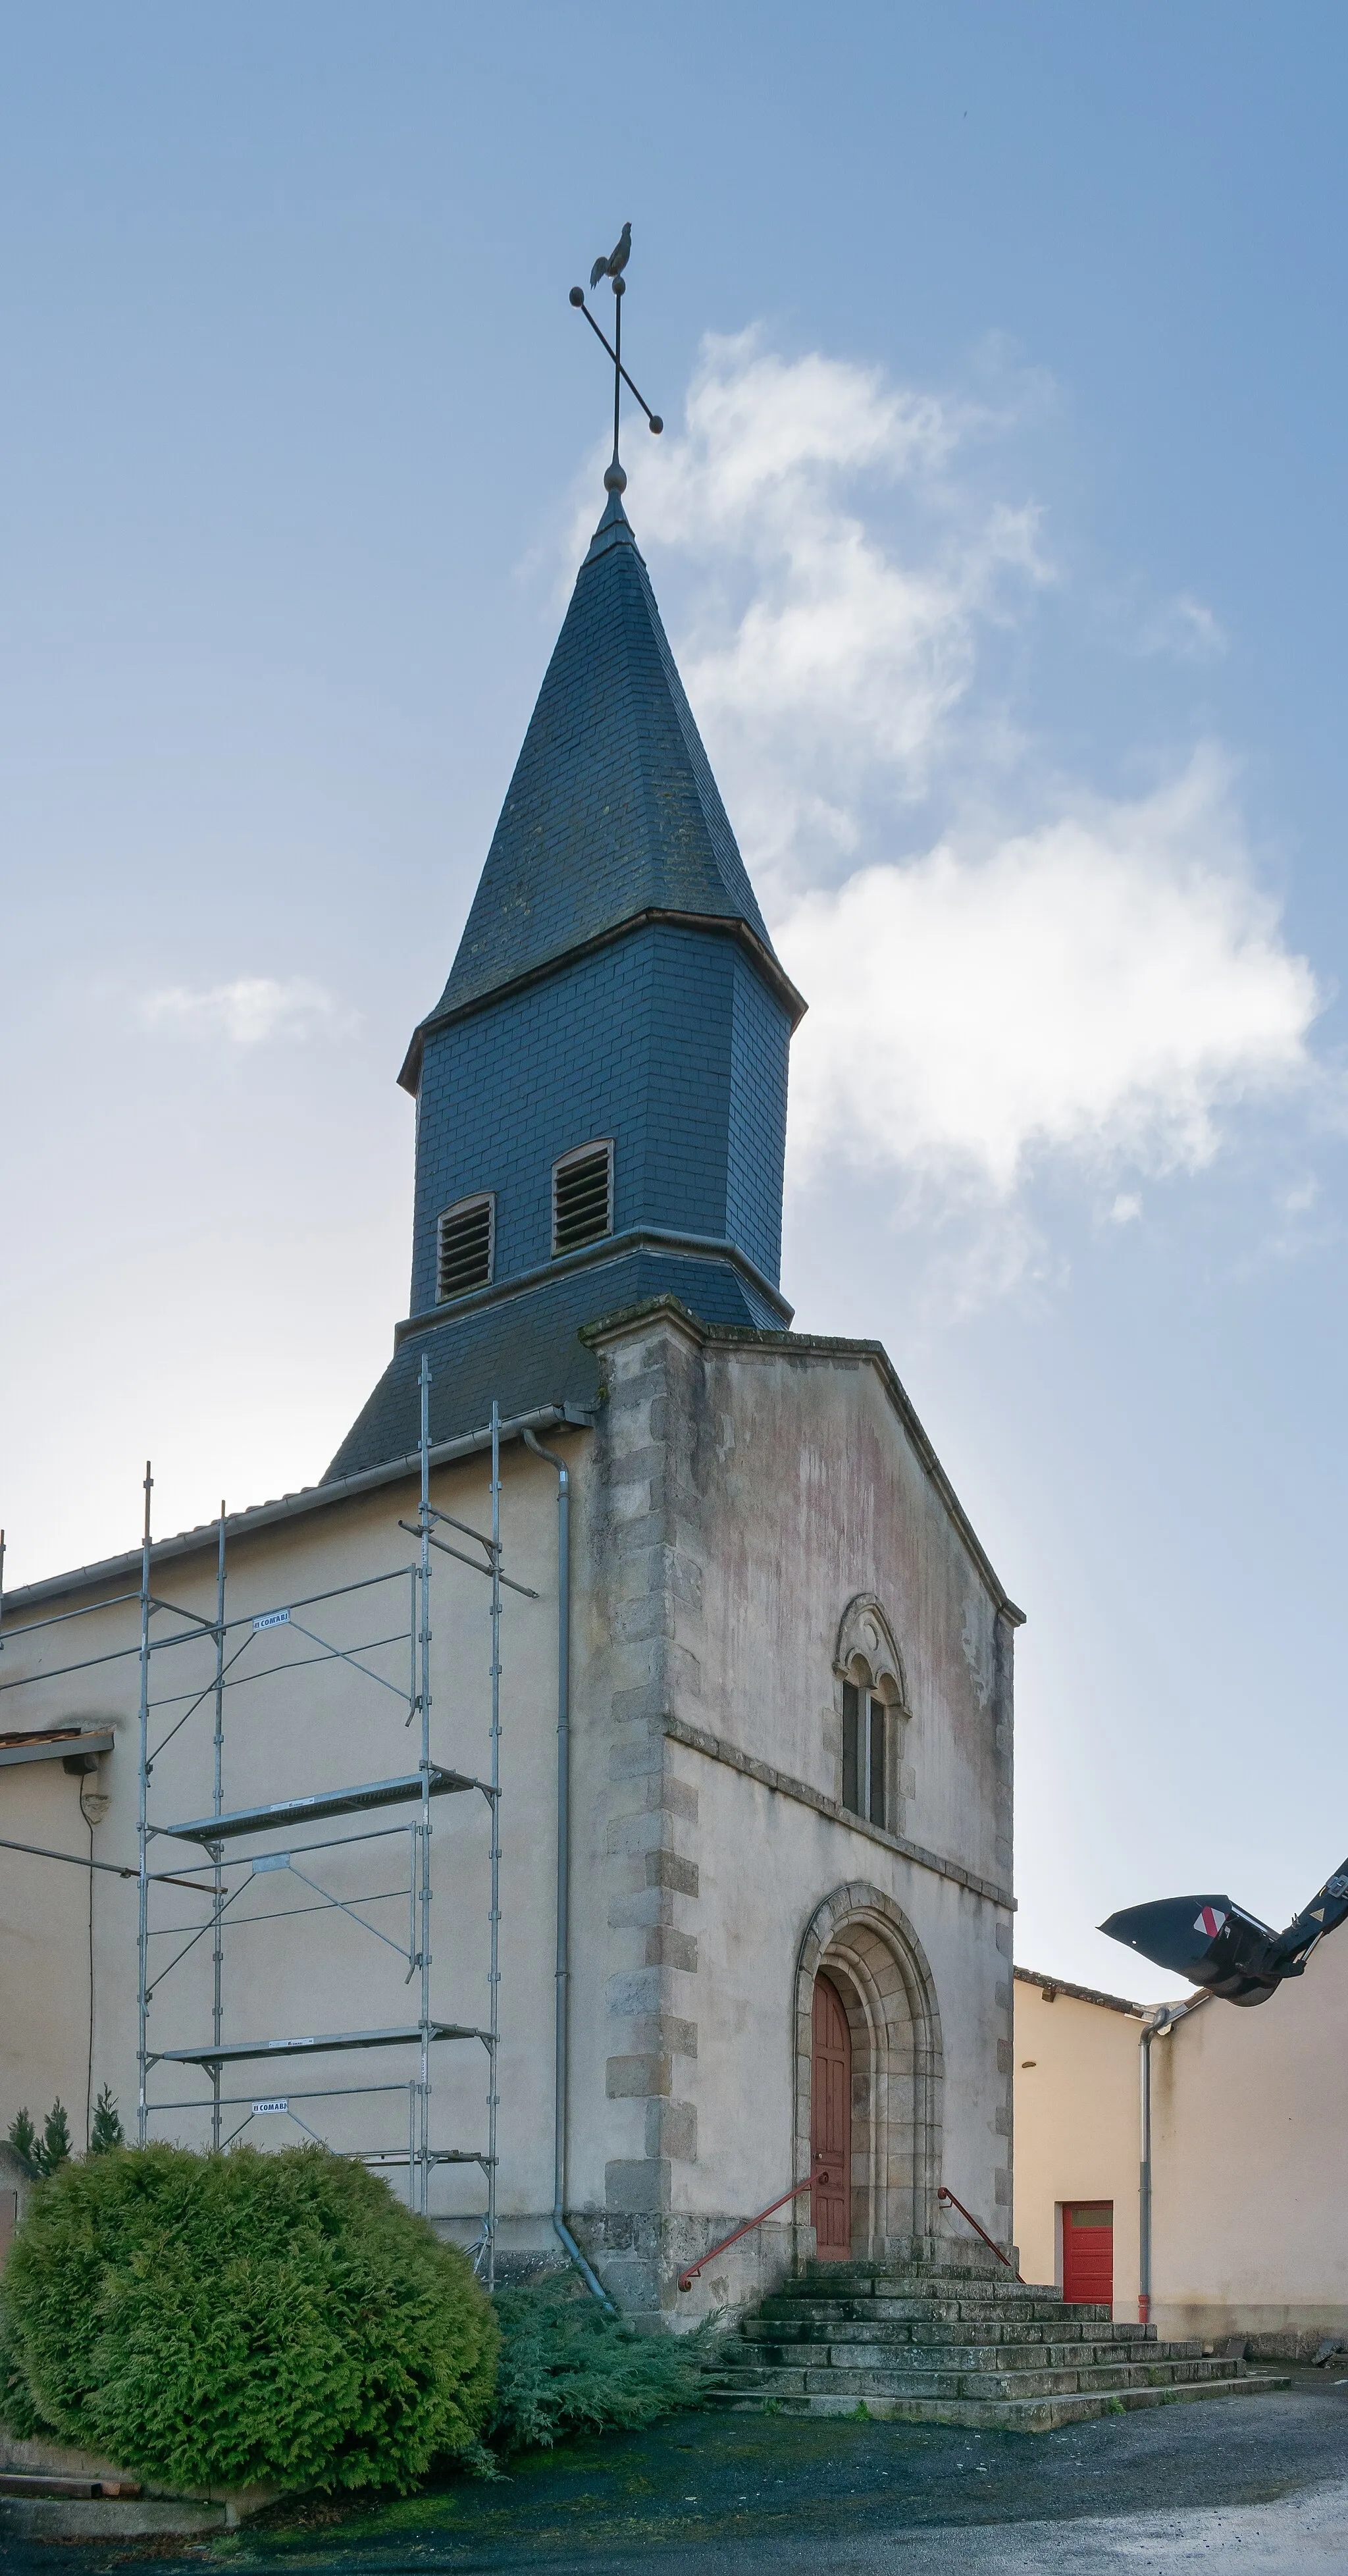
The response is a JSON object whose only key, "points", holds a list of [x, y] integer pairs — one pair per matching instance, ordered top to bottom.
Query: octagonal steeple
{"points": [[612, 814], [615, 1012]]}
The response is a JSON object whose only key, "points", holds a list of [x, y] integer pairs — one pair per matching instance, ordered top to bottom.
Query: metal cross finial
{"points": [[615, 480]]}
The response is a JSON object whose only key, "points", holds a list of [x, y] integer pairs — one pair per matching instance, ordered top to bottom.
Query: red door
{"points": [[831, 2126], [1088, 2250]]}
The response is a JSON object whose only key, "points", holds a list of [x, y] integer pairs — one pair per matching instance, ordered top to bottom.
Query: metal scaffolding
{"points": [[191, 1665]]}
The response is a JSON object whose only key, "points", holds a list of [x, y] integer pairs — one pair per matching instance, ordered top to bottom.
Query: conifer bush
{"points": [[107, 2125], [42, 2150], [242, 2319], [567, 2366]]}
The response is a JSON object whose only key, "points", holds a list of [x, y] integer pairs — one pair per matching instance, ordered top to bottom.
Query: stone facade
{"points": [[751, 1499]]}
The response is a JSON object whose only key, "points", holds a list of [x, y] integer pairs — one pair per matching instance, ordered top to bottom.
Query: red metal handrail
{"points": [[819, 2175], [949, 2198]]}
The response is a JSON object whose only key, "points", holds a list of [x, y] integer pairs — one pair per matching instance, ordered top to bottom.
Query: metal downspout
{"points": [[563, 1967], [1158, 2026], [1144, 2181]]}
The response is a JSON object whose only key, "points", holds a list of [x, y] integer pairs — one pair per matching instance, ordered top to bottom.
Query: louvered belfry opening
{"points": [[582, 1197], [465, 1247]]}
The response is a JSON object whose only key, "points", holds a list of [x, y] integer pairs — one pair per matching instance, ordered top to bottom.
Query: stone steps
{"points": [[944, 2342]]}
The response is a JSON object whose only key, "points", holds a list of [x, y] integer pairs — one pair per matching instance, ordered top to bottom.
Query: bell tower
{"points": [[601, 1087]]}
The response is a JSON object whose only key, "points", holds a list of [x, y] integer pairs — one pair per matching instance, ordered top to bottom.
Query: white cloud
{"points": [[1185, 627], [818, 657], [1057, 973], [1101, 986], [248, 1011]]}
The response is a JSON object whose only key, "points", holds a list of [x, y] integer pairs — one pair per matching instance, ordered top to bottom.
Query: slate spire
{"points": [[612, 815], [615, 1006]]}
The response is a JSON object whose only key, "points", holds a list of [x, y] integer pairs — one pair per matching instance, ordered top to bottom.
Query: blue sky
{"points": [[998, 526]]}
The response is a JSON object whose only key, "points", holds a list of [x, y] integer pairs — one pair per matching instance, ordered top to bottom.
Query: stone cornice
{"points": [[721, 925], [591, 1256], [715, 1748]]}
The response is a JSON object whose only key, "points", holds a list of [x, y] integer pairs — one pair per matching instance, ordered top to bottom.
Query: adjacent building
{"points": [[1249, 2232]]}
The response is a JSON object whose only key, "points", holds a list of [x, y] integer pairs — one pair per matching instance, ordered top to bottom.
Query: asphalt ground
{"points": [[1258, 2481]]}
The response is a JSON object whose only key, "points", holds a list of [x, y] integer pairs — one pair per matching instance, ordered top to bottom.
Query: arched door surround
{"points": [[864, 1945]]}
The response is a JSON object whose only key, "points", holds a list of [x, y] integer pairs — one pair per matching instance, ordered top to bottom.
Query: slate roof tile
{"points": [[613, 810]]}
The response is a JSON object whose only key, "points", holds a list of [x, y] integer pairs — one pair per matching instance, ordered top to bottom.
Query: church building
{"points": [[620, 1840]]}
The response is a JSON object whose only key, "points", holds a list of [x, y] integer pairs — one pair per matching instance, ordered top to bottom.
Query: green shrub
{"points": [[229, 2320], [566, 2366]]}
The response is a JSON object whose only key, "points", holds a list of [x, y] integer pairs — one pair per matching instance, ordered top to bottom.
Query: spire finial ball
{"points": [[578, 296], [614, 478]]}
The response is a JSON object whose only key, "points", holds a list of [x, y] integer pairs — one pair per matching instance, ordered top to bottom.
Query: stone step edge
{"points": [[977, 2285], [939, 2311], [986, 2334], [939, 2360], [856, 2384], [1007, 2414]]}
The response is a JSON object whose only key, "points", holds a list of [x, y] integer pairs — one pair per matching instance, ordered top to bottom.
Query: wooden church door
{"points": [[831, 2125]]}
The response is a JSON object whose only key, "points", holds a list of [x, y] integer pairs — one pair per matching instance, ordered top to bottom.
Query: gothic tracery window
{"points": [[871, 1715]]}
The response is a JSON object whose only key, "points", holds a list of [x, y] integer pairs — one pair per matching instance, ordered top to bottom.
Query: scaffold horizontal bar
{"points": [[328, 1802], [231, 2052], [432, 2156]]}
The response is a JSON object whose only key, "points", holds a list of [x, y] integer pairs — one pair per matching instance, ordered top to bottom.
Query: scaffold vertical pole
{"points": [[143, 1834], [494, 1970], [218, 1998], [422, 2199]]}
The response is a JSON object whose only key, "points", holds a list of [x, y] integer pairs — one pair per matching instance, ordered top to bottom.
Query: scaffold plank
{"points": [[327, 1802], [231, 2052]]}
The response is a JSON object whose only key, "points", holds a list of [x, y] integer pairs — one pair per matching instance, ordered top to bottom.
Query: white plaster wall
{"points": [[324, 1726], [44, 1942], [1250, 2109], [1077, 2128], [1249, 2222]]}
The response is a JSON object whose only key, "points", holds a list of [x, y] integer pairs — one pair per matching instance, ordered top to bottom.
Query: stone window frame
{"points": [[867, 1654]]}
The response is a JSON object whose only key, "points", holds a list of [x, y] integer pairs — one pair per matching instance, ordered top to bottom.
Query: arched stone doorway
{"points": [[864, 1945]]}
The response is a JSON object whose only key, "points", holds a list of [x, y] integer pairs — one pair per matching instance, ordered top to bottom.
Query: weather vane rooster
{"points": [[616, 261], [612, 265]]}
